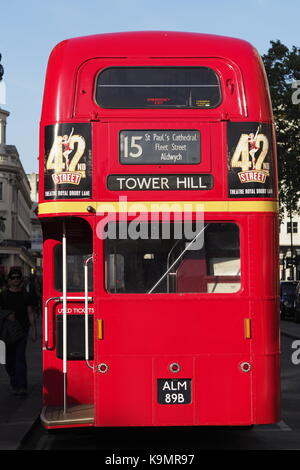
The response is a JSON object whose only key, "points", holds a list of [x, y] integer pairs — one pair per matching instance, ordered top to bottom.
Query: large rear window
{"points": [[158, 87], [163, 259]]}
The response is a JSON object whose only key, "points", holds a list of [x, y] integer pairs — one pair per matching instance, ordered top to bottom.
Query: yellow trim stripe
{"points": [[57, 207]]}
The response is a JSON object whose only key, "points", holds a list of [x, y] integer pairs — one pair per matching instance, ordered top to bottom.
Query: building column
{"points": [[3, 116]]}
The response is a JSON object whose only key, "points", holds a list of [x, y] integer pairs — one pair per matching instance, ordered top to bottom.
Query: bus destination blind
{"points": [[163, 147], [171, 182]]}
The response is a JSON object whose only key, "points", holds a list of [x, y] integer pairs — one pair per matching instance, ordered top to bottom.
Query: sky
{"points": [[29, 29]]}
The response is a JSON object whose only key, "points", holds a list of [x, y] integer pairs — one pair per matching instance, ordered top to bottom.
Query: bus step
{"points": [[75, 415]]}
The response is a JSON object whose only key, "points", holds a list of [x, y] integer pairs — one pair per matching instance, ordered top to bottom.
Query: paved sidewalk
{"points": [[18, 413]]}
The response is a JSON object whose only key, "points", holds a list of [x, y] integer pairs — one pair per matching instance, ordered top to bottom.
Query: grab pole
{"points": [[64, 296], [86, 310]]}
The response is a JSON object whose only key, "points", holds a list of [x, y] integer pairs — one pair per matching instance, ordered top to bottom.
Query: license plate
{"points": [[174, 391]]}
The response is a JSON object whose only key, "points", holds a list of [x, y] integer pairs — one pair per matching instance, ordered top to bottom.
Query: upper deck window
{"points": [[158, 87]]}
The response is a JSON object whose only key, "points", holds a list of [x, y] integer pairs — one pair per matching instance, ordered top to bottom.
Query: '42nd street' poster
{"points": [[250, 160], [68, 161]]}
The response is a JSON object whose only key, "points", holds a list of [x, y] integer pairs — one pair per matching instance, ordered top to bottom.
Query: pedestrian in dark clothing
{"points": [[17, 301]]}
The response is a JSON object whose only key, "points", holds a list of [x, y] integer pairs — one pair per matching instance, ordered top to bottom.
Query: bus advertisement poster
{"points": [[250, 160], [68, 161]]}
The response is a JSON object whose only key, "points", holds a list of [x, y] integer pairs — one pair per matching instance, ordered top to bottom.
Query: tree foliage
{"points": [[283, 71]]}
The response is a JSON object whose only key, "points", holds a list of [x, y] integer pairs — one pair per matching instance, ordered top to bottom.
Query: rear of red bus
{"points": [[158, 201]]}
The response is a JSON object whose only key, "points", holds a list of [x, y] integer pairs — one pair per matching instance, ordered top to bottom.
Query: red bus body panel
{"points": [[143, 334]]}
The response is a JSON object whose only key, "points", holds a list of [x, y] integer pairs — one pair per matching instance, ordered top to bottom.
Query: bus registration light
{"points": [[175, 367], [245, 367], [103, 368]]}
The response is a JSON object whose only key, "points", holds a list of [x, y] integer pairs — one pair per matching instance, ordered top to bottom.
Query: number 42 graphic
{"points": [[62, 148], [250, 152]]}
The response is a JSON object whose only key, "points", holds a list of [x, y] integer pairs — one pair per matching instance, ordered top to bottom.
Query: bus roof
{"points": [[155, 44], [69, 55]]}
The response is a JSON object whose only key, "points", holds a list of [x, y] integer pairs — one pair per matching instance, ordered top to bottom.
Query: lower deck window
{"points": [[174, 264]]}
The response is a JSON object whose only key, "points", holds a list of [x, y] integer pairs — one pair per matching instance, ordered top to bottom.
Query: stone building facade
{"points": [[15, 208], [289, 240]]}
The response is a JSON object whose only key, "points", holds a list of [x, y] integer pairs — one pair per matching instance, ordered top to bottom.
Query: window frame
{"points": [[220, 101], [292, 227], [207, 276]]}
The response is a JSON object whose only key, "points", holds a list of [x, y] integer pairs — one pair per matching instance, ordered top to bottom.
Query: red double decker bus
{"points": [[158, 203]]}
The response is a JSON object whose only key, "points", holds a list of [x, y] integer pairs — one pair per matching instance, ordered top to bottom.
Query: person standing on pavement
{"points": [[16, 299]]}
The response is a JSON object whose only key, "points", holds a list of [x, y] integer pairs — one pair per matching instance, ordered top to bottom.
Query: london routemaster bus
{"points": [[158, 203]]}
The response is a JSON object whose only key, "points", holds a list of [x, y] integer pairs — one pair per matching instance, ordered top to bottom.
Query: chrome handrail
{"points": [[177, 259], [86, 318]]}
